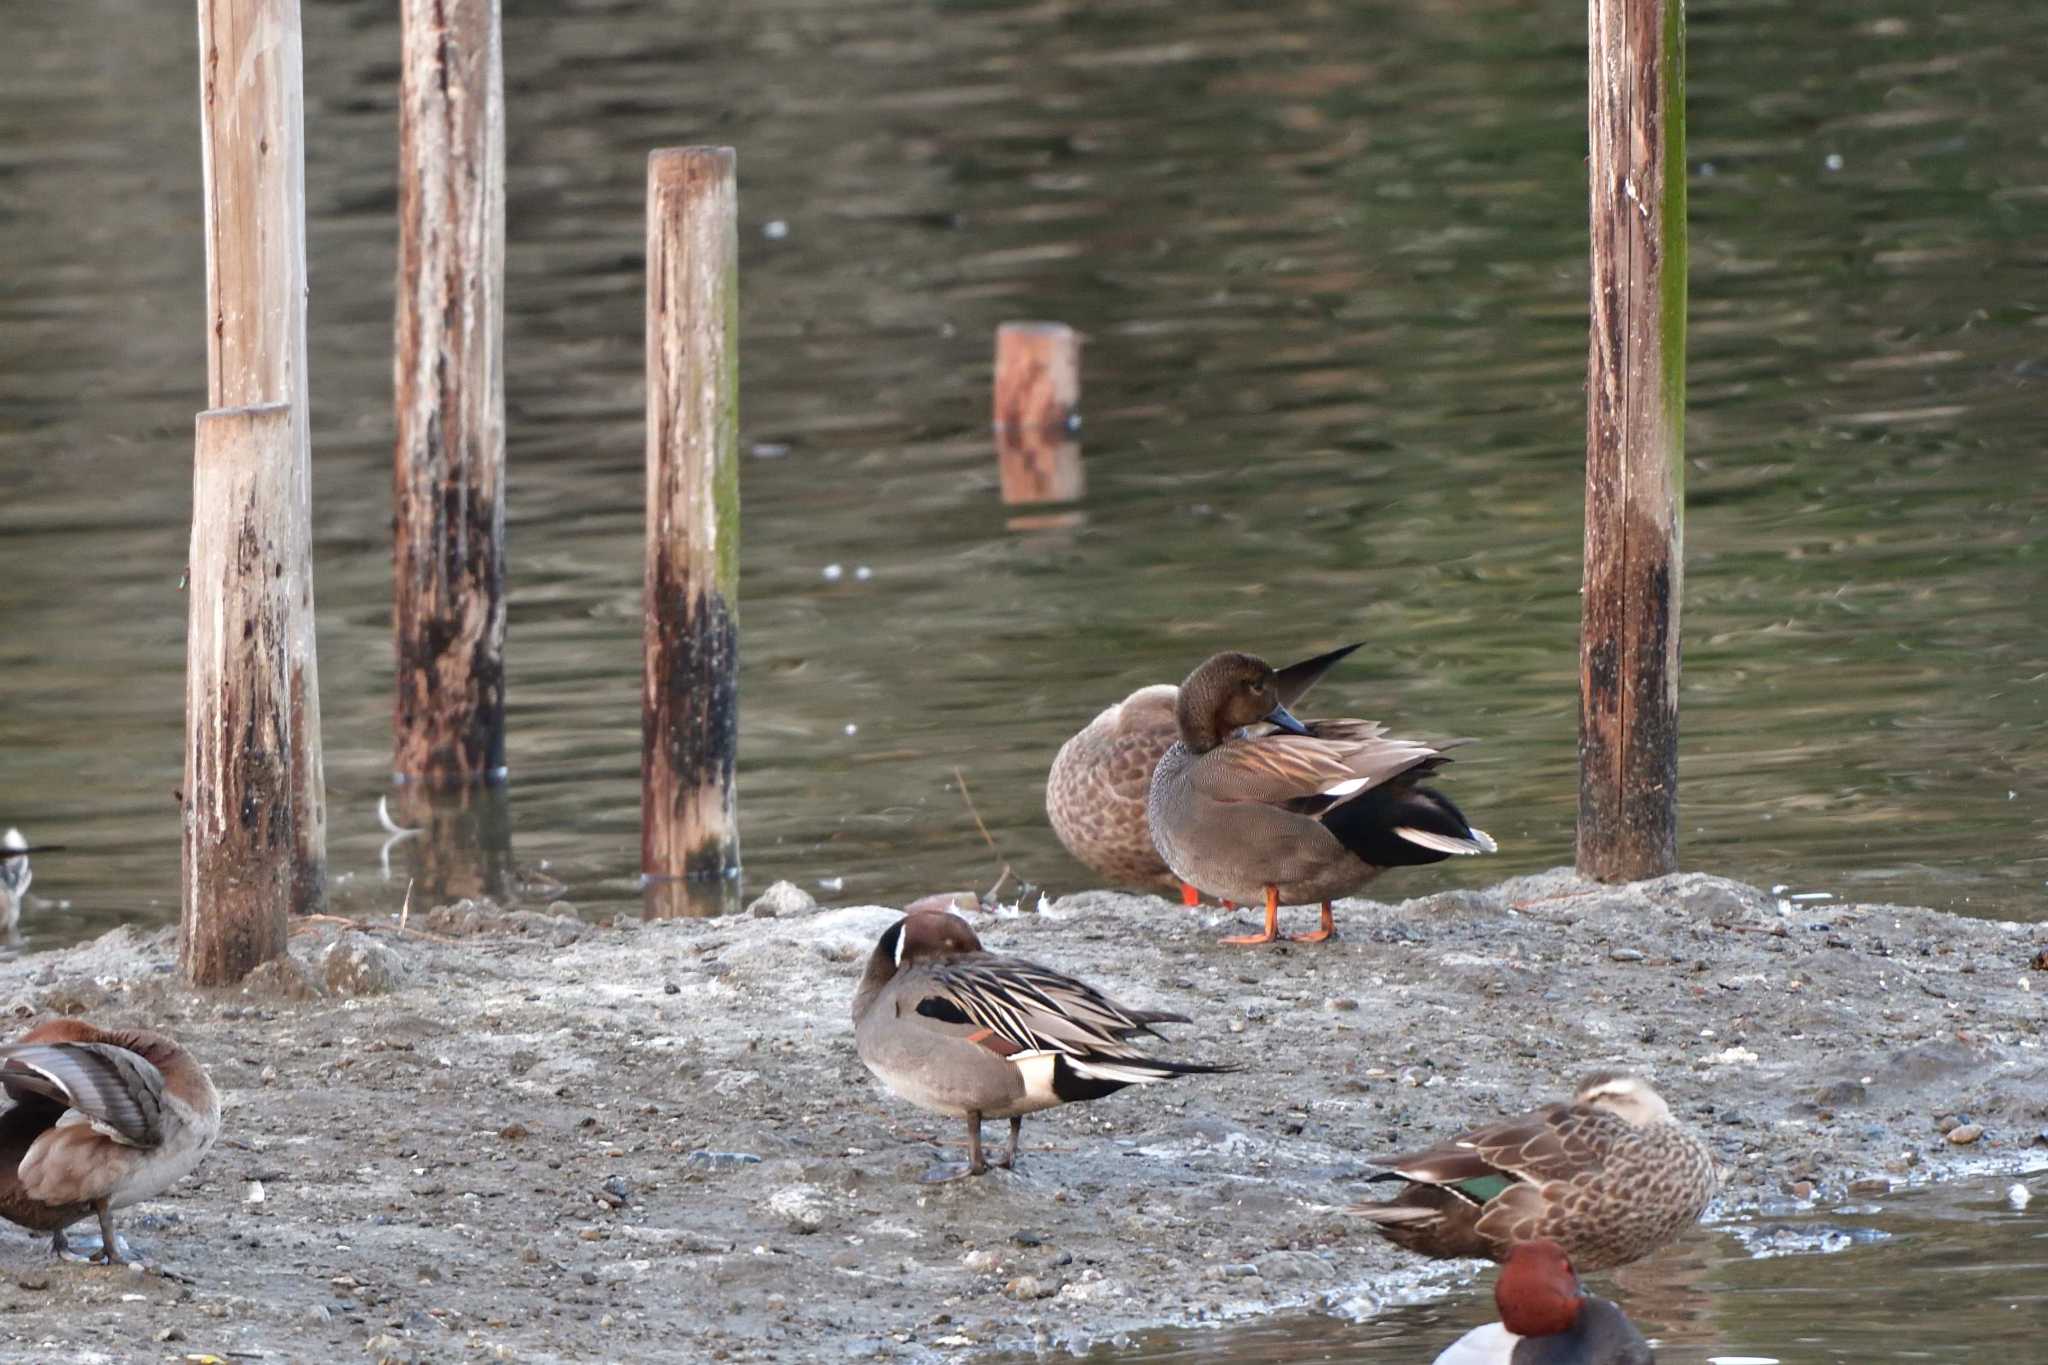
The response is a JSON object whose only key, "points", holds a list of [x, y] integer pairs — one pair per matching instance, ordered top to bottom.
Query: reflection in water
{"points": [[1331, 263], [457, 840], [689, 897]]}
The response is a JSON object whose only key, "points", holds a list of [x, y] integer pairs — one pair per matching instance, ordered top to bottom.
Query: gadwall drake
{"points": [[1096, 793], [1291, 812], [963, 1032], [100, 1118], [1610, 1177], [1547, 1318]]}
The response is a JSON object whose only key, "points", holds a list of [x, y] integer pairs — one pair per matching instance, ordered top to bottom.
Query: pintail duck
{"points": [[1096, 793], [1292, 812], [15, 875], [961, 1031], [101, 1118], [1610, 1177], [1547, 1318]]}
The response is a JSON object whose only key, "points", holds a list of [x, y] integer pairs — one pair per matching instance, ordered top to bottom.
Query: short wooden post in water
{"points": [[253, 162], [1038, 412], [1635, 442], [448, 491], [690, 736], [241, 802]]}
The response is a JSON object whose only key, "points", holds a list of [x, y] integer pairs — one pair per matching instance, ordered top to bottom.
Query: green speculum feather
{"points": [[1484, 1187]]}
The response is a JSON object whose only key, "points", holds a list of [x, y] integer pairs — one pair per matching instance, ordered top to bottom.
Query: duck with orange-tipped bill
{"points": [[1252, 804], [100, 1118], [1548, 1318]]}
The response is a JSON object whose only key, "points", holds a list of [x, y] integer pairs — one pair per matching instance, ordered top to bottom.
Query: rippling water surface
{"points": [[1330, 264], [1935, 1276]]}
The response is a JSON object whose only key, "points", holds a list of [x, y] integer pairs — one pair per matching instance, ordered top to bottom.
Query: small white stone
{"points": [[775, 229], [832, 573]]}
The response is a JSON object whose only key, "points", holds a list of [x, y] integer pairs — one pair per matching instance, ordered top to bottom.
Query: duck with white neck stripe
{"points": [[967, 1033]]}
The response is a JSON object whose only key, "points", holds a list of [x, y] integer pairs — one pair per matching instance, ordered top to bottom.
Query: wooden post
{"points": [[253, 163], [1038, 411], [1635, 442], [449, 486], [691, 700], [242, 709]]}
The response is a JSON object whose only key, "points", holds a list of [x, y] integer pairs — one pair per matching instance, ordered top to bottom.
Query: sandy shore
{"points": [[530, 1138]]}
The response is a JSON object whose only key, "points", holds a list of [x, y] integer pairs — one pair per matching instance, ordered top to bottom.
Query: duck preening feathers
{"points": [[1101, 780], [1251, 803], [973, 1035], [99, 1119]]}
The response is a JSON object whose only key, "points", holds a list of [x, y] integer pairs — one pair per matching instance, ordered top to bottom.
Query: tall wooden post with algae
{"points": [[253, 166], [1635, 441], [448, 497], [690, 715], [241, 810]]}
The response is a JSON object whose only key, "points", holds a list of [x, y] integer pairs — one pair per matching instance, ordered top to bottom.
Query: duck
{"points": [[1097, 790], [1249, 802], [15, 875], [963, 1032], [100, 1118], [1609, 1175], [1547, 1318]]}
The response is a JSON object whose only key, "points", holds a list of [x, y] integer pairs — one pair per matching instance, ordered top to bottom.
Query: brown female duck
{"points": [[1095, 795], [1290, 812], [966, 1033], [101, 1118], [1609, 1176]]}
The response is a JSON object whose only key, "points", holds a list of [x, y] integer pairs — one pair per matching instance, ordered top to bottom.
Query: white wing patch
{"points": [[1446, 843], [1492, 1344]]}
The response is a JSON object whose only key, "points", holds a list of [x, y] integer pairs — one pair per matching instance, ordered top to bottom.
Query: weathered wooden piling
{"points": [[253, 163], [1037, 412], [1635, 442], [449, 473], [690, 734], [242, 802]]}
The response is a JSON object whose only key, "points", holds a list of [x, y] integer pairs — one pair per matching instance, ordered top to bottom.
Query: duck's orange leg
{"points": [[1189, 896], [1328, 929], [1272, 930]]}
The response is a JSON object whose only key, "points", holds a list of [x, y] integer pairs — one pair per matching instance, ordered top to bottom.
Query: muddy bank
{"points": [[529, 1138]]}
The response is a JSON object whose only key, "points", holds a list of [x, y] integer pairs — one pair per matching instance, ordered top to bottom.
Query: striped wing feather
{"points": [[1276, 769], [1036, 1009], [120, 1091], [1556, 1142]]}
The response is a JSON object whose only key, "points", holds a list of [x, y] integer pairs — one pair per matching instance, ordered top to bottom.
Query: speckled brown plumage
{"points": [[1101, 780], [1095, 793], [1610, 1177]]}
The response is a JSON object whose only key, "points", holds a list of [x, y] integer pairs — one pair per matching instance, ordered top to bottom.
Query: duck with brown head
{"points": [[1096, 792], [1251, 803], [972, 1035], [100, 1118], [1547, 1318]]}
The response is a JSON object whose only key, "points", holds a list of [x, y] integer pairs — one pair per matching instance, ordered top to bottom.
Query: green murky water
{"points": [[1330, 262], [1950, 1275]]}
